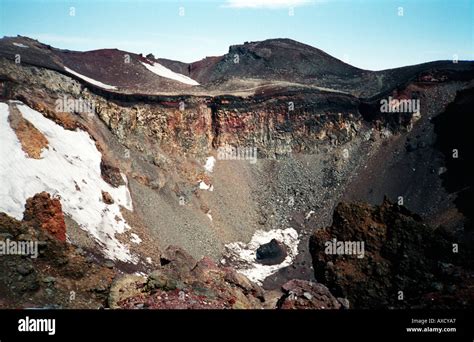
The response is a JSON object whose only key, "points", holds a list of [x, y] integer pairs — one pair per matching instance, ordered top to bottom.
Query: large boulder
{"points": [[271, 253]]}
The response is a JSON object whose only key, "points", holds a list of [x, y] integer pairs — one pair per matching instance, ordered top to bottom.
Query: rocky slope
{"points": [[111, 69], [247, 69], [318, 131], [61, 275], [64, 276]]}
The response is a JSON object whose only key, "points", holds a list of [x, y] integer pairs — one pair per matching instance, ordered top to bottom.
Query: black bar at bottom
{"points": [[310, 325]]}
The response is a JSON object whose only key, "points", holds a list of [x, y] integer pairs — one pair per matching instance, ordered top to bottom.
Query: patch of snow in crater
{"points": [[21, 45], [162, 71], [91, 80], [71, 158], [210, 163], [204, 186], [209, 216], [135, 238], [244, 256]]}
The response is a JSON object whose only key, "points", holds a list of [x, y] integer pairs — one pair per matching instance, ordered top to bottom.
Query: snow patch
{"points": [[21, 45], [162, 71], [91, 80], [71, 158], [210, 163], [204, 186], [308, 215], [209, 216], [135, 238], [244, 256]]}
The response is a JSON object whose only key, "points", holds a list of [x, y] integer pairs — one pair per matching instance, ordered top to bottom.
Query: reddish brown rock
{"points": [[32, 141], [107, 198], [44, 212], [271, 253]]}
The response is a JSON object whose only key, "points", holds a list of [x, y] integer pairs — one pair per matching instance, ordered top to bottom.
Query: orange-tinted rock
{"points": [[32, 141], [44, 212]]}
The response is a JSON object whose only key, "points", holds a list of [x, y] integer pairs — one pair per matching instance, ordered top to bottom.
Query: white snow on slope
{"points": [[21, 45], [162, 71], [90, 80], [71, 157], [210, 163], [204, 186], [135, 238], [244, 256]]}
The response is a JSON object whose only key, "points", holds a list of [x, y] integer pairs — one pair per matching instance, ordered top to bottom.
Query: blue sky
{"points": [[369, 34]]}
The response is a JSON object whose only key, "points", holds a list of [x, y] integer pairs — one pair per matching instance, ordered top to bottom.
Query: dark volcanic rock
{"points": [[282, 59], [458, 152], [111, 174], [271, 253], [402, 262]]}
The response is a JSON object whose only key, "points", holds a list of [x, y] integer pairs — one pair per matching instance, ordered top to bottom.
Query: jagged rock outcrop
{"points": [[280, 124], [404, 263], [52, 273], [183, 283]]}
